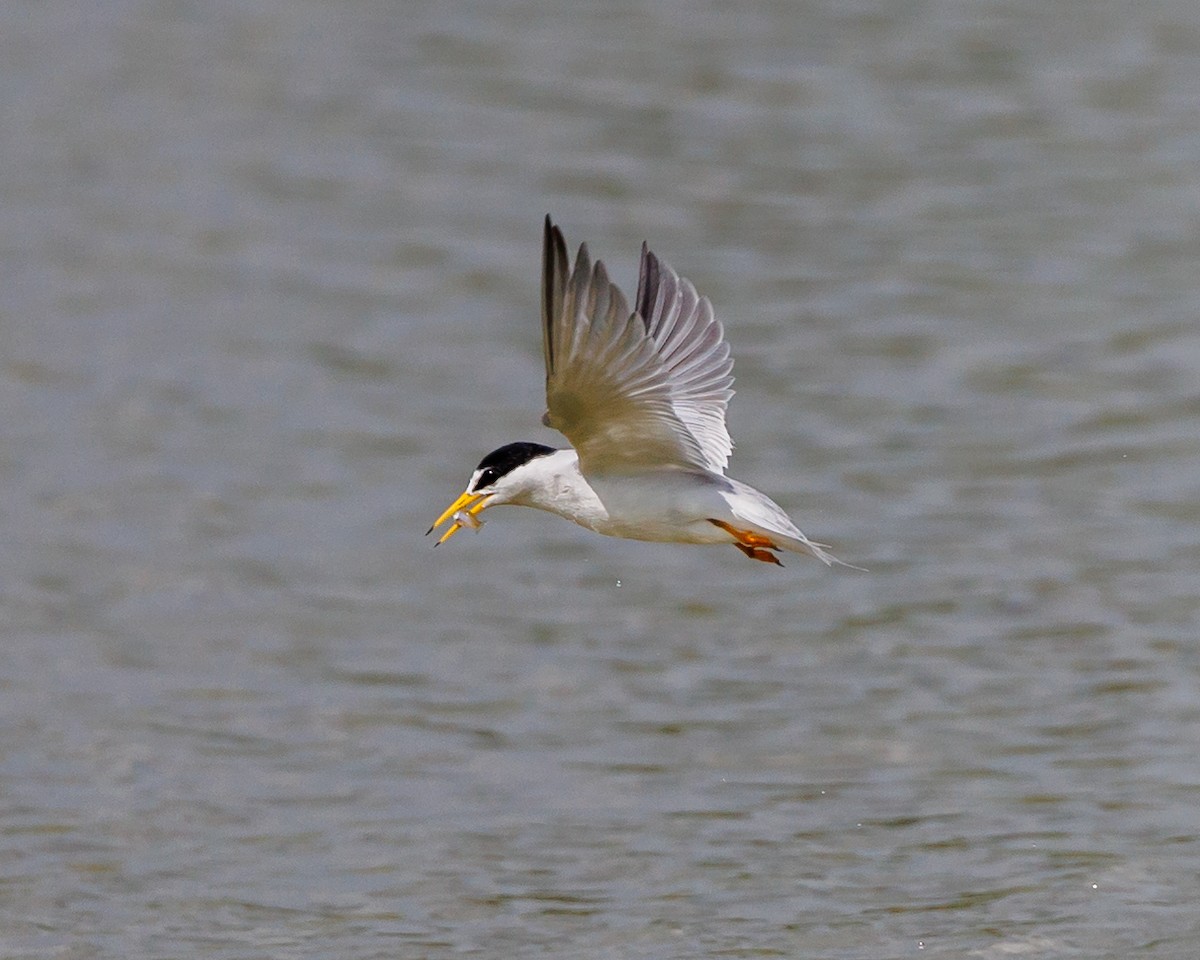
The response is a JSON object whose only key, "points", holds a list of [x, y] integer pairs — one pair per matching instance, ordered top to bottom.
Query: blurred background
{"points": [[269, 291]]}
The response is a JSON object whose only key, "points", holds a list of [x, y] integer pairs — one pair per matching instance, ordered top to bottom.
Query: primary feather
{"points": [[635, 389]]}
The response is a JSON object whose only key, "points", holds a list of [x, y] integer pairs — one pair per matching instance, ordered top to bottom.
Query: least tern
{"points": [[641, 394]]}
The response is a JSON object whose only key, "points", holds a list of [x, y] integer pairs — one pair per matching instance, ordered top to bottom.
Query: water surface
{"points": [[269, 292]]}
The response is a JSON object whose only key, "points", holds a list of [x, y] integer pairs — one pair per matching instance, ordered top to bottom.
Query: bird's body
{"points": [[642, 395], [667, 504]]}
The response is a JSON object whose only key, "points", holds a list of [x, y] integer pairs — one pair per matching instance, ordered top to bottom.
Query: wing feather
{"points": [[691, 343], [632, 389]]}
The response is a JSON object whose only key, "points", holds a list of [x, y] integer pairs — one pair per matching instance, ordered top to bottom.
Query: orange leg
{"points": [[754, 545]]}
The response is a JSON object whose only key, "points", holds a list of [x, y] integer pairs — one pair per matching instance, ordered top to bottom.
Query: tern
{"points": [[641, 395]]}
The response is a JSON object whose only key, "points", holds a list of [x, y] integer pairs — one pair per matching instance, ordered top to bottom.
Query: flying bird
{"points": [[641, 394]]}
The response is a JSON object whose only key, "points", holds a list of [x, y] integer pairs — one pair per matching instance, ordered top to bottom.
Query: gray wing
{"points": [[691, 344], [632, 390]]}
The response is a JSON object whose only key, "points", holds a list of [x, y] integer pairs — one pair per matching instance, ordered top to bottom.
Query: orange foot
{"points": [[754, 545]]}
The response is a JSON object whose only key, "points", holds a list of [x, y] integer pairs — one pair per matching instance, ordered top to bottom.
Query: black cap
{"points": [[507, 458]]}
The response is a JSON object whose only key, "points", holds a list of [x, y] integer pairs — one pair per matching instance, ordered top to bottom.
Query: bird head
{"points": [[506, 475]]}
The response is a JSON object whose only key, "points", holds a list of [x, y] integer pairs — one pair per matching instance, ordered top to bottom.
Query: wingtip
{"points": [[648, 278]]}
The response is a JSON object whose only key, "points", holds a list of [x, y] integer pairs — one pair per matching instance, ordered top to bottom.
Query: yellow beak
{"points": [[472, 503]]}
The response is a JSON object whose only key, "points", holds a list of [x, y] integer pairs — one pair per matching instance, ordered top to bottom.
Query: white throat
{"points": [[555, 484]]}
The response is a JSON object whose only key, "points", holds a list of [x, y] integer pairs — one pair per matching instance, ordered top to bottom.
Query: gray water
{"points": [[268, 292]]}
